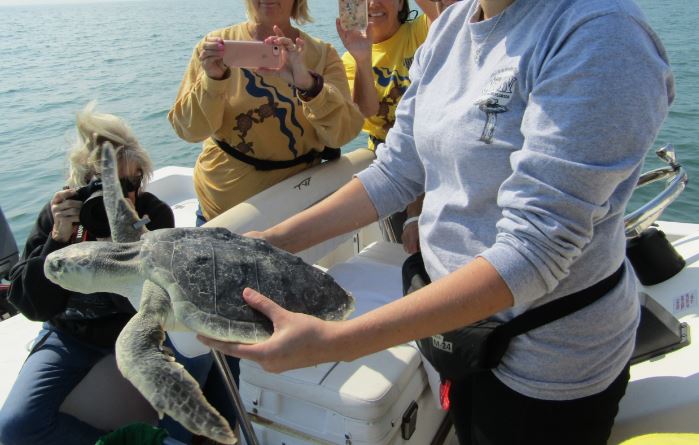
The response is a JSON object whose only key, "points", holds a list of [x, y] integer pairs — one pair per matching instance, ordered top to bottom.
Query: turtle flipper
{"points": [[124, 223], [166, 385]]}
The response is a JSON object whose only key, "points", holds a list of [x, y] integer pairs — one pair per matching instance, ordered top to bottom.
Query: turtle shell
{"points": [[210, 267]]}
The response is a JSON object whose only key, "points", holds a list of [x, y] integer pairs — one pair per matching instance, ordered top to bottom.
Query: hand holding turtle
{"points": [[211, 58], [294, 69], [65, 212], [298, 340]]}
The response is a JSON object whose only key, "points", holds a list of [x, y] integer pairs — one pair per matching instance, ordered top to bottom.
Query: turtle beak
{"points": [[69, 267]]}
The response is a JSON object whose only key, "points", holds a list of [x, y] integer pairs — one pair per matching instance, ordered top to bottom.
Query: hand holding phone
{"points": [[354, 15], [251, 54]]}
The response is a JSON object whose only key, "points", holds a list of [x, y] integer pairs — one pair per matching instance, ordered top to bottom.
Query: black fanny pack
{"points": [[328, 154], [481, 345]]}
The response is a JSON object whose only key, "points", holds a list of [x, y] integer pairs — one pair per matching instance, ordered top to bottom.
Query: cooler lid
{"points": [[367, 387], [364, 389]]}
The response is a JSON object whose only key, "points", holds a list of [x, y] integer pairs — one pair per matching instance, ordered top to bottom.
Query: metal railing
{"points": [[675, 175]]}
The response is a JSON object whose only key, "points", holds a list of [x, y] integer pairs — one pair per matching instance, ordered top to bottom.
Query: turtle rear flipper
{"points": [[166, 385]]}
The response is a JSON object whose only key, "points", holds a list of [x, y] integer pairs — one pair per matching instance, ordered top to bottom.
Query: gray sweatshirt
{"points": [[527, 133]]}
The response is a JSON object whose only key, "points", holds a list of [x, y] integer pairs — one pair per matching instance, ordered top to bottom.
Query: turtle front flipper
{"points": [[124, 223], [166, 385]]}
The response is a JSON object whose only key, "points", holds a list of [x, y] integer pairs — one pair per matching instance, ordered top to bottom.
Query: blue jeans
{"points": [[56, 365], [215, 389]]}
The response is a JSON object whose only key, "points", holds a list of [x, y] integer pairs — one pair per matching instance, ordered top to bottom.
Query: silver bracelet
{"points": [[410, 220]]}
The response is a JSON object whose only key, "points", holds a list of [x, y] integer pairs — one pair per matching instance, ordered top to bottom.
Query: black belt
{"points": [[327, 154], [556, 309]]}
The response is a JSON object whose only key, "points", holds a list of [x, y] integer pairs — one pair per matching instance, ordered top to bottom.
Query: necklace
{"points": [[479, 49]]}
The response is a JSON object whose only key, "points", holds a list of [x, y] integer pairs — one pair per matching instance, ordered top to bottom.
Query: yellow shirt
{"points": [[391, 60], [262, 117]]}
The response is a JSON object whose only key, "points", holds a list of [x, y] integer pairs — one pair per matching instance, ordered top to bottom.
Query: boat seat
{"points": [[185, 212], [103, 398], [106, 400]]}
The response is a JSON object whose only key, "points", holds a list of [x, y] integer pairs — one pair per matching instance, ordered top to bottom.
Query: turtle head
{"points": [[96, 266]]}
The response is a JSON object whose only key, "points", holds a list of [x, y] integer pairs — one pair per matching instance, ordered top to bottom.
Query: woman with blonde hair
{"points": [[261, 126], [92, 130], [78, 330]]}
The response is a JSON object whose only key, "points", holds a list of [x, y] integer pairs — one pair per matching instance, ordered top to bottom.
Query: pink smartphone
{"points": [[251, 54]]}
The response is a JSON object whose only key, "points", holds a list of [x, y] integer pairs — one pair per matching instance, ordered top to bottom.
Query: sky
{"points": [[47, 2]]}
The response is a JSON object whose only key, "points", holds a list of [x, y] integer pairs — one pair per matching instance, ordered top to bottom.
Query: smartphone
{"points": [[354, 15], [251, 54]]}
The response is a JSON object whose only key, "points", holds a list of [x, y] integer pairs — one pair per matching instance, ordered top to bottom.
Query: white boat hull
{"points": [[662, 396]]}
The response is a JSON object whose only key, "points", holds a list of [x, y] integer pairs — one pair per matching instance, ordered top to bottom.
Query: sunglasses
{"points": [[130, 184]]}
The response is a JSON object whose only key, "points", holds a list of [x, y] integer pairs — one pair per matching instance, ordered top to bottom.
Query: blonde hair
{"points": [[299, 12], [94, 129]]}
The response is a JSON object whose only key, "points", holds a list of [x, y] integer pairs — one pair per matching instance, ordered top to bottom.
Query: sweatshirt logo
{"points": [[496, 95]]}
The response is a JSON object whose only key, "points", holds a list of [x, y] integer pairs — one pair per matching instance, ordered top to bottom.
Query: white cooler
{"points": [[383, 398]]}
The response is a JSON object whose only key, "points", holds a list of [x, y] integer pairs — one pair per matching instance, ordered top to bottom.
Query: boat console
{"points": [[9, 255]]}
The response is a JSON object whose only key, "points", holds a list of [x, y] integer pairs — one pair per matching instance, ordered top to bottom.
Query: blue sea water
{"points": [[130, 56]]}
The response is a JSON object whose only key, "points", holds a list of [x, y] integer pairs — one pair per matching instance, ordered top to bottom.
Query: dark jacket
{"points": [[94, 318]]}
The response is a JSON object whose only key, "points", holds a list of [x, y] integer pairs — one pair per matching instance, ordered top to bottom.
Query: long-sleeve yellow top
{"points": [[261, 116]]}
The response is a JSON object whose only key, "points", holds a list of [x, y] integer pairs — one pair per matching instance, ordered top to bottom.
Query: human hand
{"points": [[357, 43], [211, 58], [293, 69], [66, 213], [411, 238], [298, 341]]}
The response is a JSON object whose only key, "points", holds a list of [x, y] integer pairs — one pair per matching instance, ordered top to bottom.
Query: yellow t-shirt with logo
{"points": [[390, 60]]}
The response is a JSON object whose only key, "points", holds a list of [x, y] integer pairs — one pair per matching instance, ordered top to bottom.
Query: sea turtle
{"points": [[191, 277]]}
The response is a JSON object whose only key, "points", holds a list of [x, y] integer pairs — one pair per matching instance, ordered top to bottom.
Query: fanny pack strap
{"points": [[327, 154], [415, 276], [551, 311]]}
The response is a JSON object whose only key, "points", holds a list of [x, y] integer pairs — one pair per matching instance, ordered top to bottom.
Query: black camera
{"points": [[93, 216]]}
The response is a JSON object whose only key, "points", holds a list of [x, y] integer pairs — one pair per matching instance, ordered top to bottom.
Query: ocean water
{"points": [[130, 56]]}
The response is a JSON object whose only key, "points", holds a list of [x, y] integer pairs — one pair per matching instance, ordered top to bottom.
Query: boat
{"points": [[390, 397]]}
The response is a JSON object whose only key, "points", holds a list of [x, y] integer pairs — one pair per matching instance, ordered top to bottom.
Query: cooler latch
{"points": [[409, 422]]}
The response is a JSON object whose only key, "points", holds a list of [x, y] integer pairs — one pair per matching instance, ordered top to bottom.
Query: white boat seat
{"points": [[106, 400]]}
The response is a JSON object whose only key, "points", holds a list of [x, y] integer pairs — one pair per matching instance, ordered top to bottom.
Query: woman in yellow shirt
{"points": [[377, 65], [259, 127]]}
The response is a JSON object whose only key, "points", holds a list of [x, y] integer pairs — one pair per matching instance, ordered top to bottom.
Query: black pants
{"points": [[485, 411]]}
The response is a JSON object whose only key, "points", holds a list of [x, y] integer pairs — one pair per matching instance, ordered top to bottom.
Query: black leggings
{"points": [[485, 411]]}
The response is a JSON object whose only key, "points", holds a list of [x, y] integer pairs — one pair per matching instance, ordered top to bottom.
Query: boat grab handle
{"points": [[675, 175]]}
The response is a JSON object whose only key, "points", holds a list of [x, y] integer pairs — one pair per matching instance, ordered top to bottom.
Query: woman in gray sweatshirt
{"points": [[525, 125]]}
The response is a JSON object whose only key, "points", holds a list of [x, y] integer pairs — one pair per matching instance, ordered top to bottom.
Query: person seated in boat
{"points": [[377, 63], [526, 125], [260, 126], [79, 330]]}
